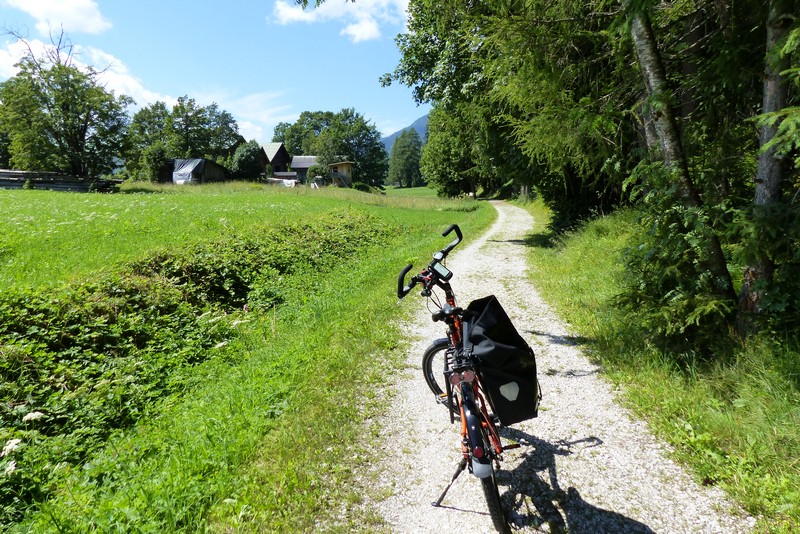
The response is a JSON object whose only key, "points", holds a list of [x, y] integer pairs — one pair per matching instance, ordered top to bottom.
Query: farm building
{"points": [[277, 156], [301, 164], [199, 171], [342, 173]]}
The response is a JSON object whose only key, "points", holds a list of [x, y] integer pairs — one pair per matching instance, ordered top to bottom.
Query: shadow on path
{"points": [[559, 339], [533, 497]]}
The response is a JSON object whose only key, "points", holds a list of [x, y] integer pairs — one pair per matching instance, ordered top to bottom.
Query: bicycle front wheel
{"points": [[434, 364], [492, 496]]}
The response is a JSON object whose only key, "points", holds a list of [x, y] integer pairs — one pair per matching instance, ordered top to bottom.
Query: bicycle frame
{"points": [[463, 389]]}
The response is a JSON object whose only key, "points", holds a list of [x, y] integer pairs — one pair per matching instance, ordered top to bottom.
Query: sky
{"points": [[264, 61]]}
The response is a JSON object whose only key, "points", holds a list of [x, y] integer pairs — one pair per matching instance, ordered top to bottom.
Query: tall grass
{"points": [[735, 421], [267, 435]]}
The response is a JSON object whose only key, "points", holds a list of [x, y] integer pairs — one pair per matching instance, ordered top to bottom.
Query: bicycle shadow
{"points": [[533, 497]]}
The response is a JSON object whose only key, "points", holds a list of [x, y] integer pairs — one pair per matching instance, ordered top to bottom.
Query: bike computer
{"points": [[443, 272]]}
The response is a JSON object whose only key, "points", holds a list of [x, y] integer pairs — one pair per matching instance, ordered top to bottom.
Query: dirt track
{"points": [[586, 465]]}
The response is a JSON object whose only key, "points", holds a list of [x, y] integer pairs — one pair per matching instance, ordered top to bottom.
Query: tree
{"points": [[60, 118], [188, 134], [223, 134], [297, 137], [332, 137], [147, 144], [404, 159], [445, 159], [246, 161], [759, 274]]}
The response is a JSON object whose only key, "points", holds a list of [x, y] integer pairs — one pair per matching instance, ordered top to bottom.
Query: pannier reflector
{"points": [[510, 391]]}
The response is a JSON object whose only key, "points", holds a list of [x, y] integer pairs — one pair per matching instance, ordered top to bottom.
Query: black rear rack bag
{"points": [[505, 361]]}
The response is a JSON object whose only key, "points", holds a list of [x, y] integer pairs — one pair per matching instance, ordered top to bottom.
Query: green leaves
{"points": [[60, 118]]}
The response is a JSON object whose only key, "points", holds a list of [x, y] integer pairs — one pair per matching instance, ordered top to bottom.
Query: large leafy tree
{"points": [[59, 117], [187, 130], [298, 136], [342, 136], [147, 141], [404, 159], [246, 161]]}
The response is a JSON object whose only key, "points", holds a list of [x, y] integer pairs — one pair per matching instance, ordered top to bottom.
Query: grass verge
{"points": [[736, 422]]}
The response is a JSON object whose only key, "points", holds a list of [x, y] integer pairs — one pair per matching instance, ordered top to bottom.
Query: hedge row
{"points": [[86, 360]]}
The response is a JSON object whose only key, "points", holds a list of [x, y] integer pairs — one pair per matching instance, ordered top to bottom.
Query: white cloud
{"points": [[71, 15], [362, 19], [114, 74], [116, 77]]}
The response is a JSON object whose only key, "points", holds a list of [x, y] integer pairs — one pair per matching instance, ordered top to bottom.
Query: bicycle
{"points": [[464, 388]]}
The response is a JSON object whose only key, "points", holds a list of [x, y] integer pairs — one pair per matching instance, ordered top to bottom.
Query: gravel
{"points": [[585, 465]]}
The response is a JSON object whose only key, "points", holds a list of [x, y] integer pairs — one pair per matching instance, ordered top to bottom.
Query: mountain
{"points": [[420, 125]]}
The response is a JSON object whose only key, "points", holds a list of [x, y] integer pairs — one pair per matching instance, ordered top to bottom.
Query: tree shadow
{"points": [[546, 239], [561, 339], [533, 496]]}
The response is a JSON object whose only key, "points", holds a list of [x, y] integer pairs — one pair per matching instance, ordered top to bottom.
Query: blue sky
{"points": [[264, 61]]}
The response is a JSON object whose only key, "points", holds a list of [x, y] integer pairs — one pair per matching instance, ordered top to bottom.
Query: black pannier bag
{"points": [[506, 363]]}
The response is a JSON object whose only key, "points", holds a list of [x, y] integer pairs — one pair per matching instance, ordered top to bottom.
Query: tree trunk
{"points": [[669, 140], [771, 168]]}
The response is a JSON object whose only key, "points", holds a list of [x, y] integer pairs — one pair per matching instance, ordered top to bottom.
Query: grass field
{"points": [[51, 237], [251, 436]]}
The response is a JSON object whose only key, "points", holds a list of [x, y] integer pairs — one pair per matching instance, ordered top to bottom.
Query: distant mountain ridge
{"points": [[420, 125]]}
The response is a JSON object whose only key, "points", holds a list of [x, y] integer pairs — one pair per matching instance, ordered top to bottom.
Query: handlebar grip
{"points": [[446, 250], [401, 290]]}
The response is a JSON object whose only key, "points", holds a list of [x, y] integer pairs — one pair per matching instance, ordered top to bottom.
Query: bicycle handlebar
{"points": [[446, 250], [402, 288]]}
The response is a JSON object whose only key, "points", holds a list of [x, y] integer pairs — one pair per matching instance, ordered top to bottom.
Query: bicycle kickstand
{"points": [[461, 466]]}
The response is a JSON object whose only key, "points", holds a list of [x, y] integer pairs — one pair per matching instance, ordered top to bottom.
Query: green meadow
{"points": [[198, 358]]}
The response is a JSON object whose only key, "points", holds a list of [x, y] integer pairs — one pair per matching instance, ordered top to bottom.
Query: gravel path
{"points": [[585, 465]]}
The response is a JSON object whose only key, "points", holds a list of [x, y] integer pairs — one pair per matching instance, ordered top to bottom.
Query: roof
{"points": [[271, 149], [303, 162]]}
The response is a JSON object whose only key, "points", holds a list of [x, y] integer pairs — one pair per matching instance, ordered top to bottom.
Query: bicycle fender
{"points": [[482, 465]]}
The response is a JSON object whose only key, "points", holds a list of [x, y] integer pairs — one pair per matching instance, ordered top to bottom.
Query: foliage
{"points": [[532, 112], [60, 118], [188, 130], [298, 137], [334, 137], [147, 144], [404, 160], [445, 160], [246, 162], [323, 171], [774, 230], [669, 292], [90, 359], [734, 420]]}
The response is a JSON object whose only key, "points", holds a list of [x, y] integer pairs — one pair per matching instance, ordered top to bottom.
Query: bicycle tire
{"points": [[433, 365], [476, 432], [492, 496]]}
